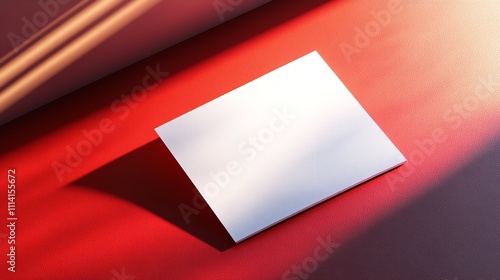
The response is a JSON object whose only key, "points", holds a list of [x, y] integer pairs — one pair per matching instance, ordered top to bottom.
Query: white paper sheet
{"points": [[278, 145]]}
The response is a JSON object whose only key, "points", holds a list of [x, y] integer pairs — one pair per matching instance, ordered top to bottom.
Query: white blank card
{"points": [[278, 145]]}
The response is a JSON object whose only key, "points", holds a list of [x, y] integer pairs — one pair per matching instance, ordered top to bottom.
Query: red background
{"points": [[437, 217]]}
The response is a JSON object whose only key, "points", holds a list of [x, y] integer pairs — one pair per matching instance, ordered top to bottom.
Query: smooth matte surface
{"points": [[162, 25], [278, 145], [116, 214]]}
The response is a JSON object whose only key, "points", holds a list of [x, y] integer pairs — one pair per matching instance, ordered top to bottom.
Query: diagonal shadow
{"points": [[92, 98], [151, 178], [452, 232]]}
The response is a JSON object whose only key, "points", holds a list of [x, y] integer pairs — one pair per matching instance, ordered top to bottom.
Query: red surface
{"points": [[115, 214]]}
